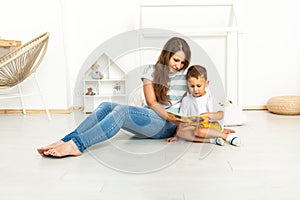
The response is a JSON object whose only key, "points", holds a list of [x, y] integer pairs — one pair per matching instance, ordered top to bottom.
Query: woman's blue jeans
{"points": [[109, 118]]}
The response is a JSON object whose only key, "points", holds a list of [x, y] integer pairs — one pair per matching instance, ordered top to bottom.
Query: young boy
{"points": [[199, 103]]}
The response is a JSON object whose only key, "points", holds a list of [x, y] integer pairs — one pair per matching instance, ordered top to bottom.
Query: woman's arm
{"points": [[152, 102]]}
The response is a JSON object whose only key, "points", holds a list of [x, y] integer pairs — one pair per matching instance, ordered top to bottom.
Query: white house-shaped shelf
{"points": [[110, 87]]}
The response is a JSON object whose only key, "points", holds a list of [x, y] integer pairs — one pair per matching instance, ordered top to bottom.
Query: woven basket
{"points": [[284, 105]]}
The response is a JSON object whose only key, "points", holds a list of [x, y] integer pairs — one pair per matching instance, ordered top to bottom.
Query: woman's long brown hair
{"points": [[161, 73]]}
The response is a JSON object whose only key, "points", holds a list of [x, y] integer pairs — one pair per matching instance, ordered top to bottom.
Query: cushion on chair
{"points": [[284, 105]]}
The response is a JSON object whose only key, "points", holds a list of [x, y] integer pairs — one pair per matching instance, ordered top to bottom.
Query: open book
{"points": [[195, 120]]}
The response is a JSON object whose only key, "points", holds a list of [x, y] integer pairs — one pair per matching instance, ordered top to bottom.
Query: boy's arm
{"points": [[183, 107], [211, 114], [214, 115]]}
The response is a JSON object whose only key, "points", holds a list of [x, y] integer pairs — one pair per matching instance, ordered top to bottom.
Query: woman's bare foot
{"points": [[66, 149], [41, 150]]}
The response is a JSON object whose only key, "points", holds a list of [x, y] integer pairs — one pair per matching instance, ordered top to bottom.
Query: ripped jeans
{"points": [[109, 118]]}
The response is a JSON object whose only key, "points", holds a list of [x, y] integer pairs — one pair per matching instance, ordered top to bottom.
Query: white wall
{"points": [[24, 20], [91, 23], [76, 28], [271, 50], [270, 63]]}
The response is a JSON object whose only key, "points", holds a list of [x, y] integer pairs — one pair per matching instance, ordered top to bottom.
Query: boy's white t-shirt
{"points": [[194, 106]]}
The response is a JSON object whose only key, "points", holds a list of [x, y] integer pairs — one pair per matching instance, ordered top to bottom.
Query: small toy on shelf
{"points": [[96, 74], [117, 88], [90, 92]]}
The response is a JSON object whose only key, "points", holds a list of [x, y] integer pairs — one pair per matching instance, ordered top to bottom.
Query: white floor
{"points": [[266, 166]]}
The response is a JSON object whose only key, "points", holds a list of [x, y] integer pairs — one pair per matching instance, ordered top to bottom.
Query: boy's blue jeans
{"points": [[109, 118]]}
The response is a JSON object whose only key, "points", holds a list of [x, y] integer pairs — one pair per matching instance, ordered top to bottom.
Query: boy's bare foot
{"points": [[66, 149], [41, 150]]}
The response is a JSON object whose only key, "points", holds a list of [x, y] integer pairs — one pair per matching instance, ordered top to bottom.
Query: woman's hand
{"points": [[172, 139]]}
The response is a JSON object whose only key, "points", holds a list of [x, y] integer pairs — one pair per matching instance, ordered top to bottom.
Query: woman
{"points": [[164, 86]]}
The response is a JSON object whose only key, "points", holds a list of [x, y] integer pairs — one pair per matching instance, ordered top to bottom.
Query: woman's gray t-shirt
{"points": [[177, 87]]}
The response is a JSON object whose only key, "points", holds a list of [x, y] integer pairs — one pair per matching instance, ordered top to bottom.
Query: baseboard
{"points": [[254, 107], [70, 110], [37, 111]]}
